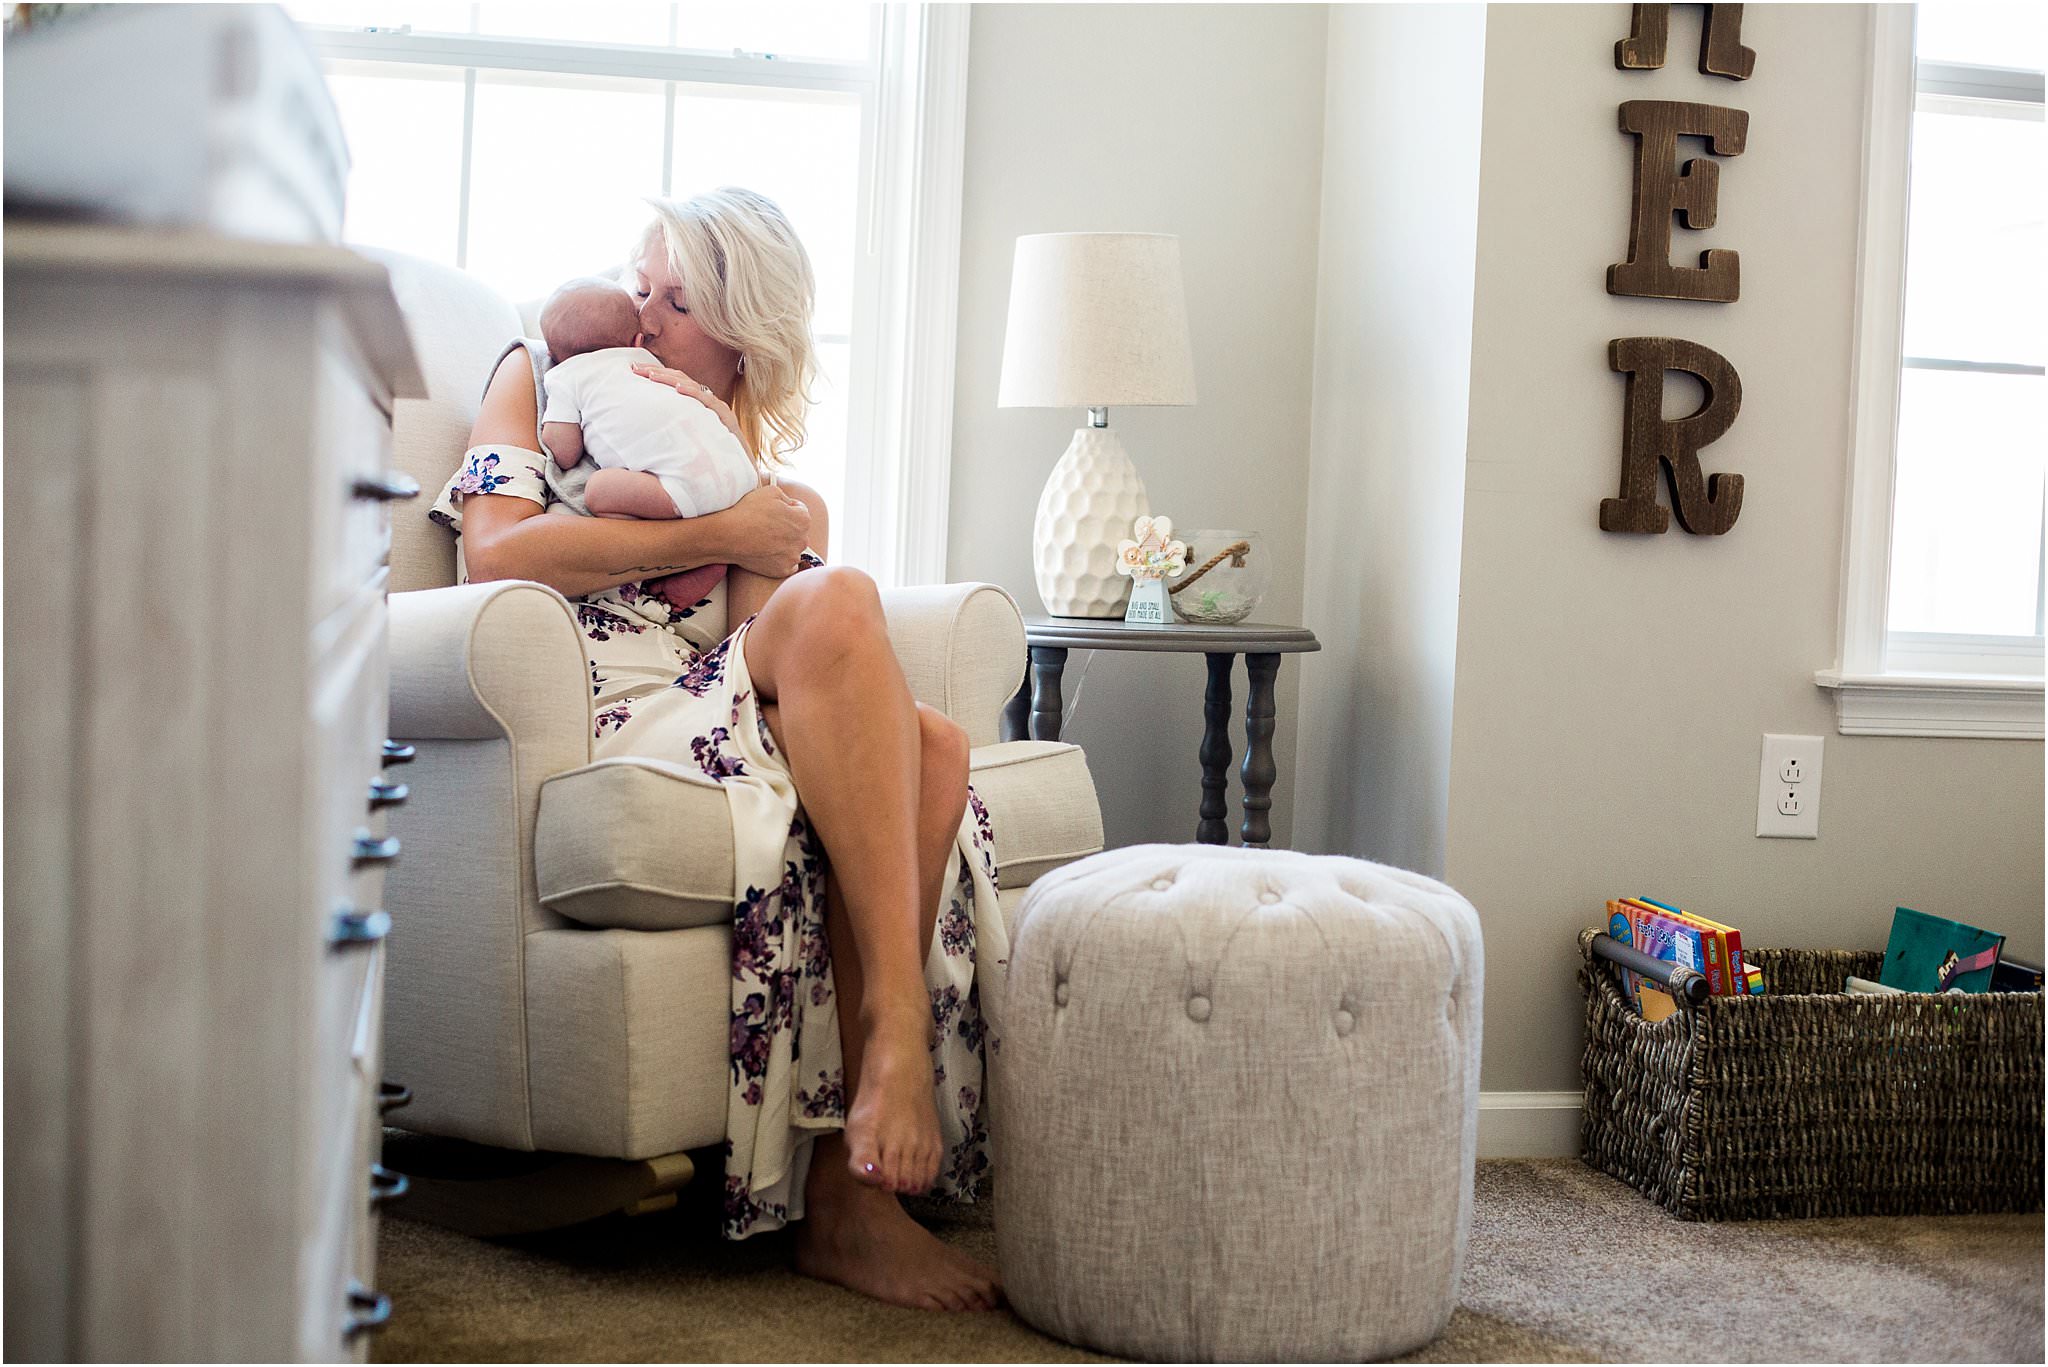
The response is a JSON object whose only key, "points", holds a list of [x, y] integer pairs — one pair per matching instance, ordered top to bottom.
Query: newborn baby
{"points": [[630, 426]]}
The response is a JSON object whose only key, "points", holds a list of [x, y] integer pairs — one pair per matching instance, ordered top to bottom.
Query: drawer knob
{"points": [[386, 488], [398, 752], [385, 794], [368, 849], [352, 927], [392, 1095], [386, 1185], [367, 1310]]}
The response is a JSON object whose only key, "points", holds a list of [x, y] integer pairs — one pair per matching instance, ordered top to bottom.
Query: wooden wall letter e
{"points": [[1721, 49], [1664, 188], [1705, 506]]}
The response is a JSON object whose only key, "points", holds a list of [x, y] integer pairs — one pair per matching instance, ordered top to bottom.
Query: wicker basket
{"points": [[1809, 1101]]}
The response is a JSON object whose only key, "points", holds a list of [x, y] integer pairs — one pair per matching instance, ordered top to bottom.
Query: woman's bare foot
{"points": [[892, 1128], [863, 1239]]}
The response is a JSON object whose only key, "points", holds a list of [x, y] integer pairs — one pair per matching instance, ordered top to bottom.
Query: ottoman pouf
{"points": [[1236, 1104]]}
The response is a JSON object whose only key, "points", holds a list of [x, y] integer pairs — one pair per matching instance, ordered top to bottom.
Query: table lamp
{"points": [[1096, 320]]}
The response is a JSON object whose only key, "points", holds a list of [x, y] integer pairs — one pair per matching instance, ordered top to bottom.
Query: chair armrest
{"points": [[962, 650], [482, 661], [491, 682]]}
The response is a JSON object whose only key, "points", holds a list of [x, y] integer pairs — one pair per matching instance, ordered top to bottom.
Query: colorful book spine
{"points": [[1726, 944], [1698, 947]]}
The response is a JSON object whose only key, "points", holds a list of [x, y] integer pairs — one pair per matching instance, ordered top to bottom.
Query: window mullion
{"points": [[462, 182]]}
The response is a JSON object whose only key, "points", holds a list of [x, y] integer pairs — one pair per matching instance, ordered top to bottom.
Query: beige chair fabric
{"points": [[458, 326], [487, 683], [1041, 805], [597, 864], [628, 1038], [1236, 1105]]}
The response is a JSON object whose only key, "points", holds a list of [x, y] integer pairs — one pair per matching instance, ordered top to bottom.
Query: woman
{"points": [[866, 889]]}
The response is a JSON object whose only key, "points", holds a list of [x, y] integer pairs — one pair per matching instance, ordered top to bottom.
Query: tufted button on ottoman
{"points": [[1236, 1105]]}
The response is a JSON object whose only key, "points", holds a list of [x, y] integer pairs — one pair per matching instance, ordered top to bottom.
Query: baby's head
{"points": [[588, 314]]}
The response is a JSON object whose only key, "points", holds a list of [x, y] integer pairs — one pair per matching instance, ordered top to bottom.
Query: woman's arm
{"points": [[504, 537], [745, 593]]}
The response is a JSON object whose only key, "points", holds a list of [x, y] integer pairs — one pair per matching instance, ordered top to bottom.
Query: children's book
{"points": [[1661, 936], [1731, 941], [1699, 946], [1932, 954], [2015, 975]]}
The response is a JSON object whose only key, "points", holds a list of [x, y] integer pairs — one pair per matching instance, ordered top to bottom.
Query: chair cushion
{"points": [[1041, 805], [637, 844], [644, 844]]}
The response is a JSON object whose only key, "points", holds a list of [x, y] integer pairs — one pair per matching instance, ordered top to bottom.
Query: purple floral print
{"points": [[480, 474], [599, 624], [706, 672], [716, 755]]}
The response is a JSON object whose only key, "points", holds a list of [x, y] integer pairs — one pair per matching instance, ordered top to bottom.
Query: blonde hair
{"points": [[751, 288]]}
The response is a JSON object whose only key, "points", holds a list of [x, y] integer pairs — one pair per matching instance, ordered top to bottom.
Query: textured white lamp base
{"points": [[1089, 504]]}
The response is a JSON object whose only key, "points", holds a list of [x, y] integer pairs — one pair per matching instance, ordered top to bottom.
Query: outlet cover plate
{"points": [[1773, 793]]}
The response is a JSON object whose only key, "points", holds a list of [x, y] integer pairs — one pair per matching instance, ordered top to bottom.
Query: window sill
{"points": [[1955, 705]]}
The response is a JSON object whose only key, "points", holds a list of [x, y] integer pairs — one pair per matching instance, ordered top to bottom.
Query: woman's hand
{"points": [[683, 384], [773, 527]]}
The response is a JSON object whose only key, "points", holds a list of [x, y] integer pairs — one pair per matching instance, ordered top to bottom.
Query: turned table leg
{"points": [[1047, 664], [1259, 770], [1212, 829]]}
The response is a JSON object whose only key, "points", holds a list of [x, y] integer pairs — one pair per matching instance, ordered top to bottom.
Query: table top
{"points": [[1113, 633]]}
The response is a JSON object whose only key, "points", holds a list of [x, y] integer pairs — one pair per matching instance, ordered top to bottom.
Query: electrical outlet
{"points": [[1788, 788]]}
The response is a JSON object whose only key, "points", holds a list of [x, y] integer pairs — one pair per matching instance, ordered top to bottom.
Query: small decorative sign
{"points": [[1151, 559]]}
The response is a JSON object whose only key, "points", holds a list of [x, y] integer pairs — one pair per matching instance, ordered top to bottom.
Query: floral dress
{"points": [[669, 684]]}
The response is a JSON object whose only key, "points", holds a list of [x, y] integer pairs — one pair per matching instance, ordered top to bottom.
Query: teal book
{"points": [[1930, 954]]}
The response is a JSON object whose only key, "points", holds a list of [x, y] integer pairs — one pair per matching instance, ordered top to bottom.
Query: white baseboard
{"points": [[1529, 1124]]}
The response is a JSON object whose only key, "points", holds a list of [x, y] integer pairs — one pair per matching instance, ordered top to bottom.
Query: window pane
{"points": [[425, 16], [635, 22], [820, 30], [1982, 34], [404, 131], [800, 150], [559, 177], [1979, 215], [821, 463], [1967, 505]]}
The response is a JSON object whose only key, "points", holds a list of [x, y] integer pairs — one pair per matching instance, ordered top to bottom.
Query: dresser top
{"points": [[360, 285]]}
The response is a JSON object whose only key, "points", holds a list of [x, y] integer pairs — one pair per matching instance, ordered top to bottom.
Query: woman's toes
{"points": [[861, 1163]]}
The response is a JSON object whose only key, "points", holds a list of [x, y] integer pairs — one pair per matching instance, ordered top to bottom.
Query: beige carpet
{"points": [[1565, 1265]]}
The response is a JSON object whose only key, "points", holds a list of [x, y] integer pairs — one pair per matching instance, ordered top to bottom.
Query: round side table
{"points": [[1036, 710]]}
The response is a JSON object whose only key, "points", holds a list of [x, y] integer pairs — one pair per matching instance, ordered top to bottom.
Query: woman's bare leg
{"points": [[819, 650], [852, 1233]]}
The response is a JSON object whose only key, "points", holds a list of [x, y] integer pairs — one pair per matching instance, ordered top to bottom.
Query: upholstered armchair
{"points": [[553, 986]]}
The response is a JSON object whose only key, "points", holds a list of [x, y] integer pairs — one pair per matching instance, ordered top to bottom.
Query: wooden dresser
{"points": [[197, 527]]}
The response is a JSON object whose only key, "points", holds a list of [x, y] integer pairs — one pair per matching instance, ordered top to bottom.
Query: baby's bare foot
{"points": [[892, 1128], [866, 1242]]}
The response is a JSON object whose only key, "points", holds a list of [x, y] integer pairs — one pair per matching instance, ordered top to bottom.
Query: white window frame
{"points": [[913, 96], [1908, 684]]}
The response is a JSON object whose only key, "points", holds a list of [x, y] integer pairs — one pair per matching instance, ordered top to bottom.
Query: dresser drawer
{"points": [[350, 534], [346, 720]]}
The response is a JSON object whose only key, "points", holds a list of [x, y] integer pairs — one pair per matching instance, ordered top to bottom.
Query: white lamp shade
{"points": [[1097, 320]]}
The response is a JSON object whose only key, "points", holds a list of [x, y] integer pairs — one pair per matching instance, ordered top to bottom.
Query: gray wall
{"points": [[1200, 120], [1387, 478], [1611, 690]]}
